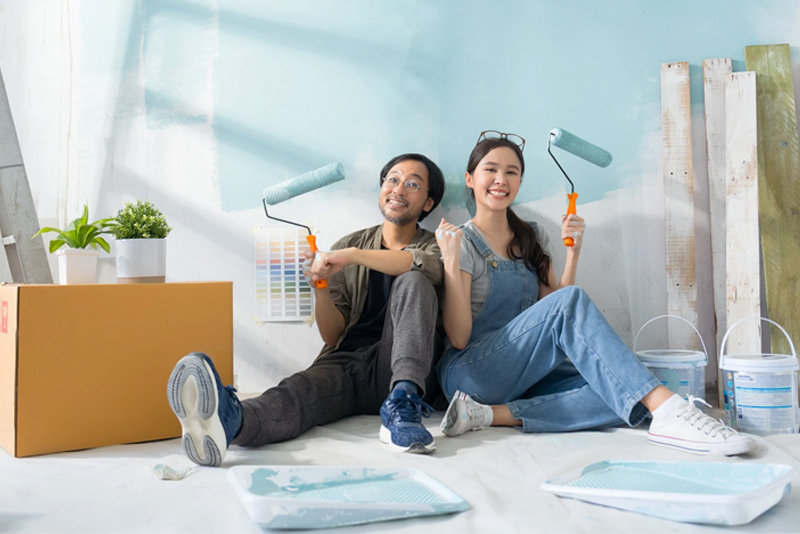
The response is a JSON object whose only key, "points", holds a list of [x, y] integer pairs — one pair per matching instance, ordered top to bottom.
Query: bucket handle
{"points": [[725, 337], [703, 343]]}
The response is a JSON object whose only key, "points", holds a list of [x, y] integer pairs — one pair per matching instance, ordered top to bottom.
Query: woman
{"points": [[531, 351]]}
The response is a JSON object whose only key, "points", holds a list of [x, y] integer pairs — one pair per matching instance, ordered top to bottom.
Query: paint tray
{"points": [[691, 492], [301, 497]]}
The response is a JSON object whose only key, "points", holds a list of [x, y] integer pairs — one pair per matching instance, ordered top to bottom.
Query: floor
{"points": [[498, 471]]}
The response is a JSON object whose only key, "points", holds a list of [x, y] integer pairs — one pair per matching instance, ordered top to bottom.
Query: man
{"points": [[378, 321]]}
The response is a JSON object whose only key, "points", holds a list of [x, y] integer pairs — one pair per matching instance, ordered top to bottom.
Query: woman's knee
{"points": [[572, 295]]}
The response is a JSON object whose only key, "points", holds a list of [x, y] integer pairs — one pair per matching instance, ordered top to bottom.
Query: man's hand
{"points": [[326, 264]]}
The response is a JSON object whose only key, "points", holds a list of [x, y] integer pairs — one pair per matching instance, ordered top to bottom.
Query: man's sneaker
{"points": [[210, 414], [463, 414], [401, 422], [690, 430]]}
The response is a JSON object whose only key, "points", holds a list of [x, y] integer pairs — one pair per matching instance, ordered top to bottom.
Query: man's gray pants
{"points": [[341, 384]]}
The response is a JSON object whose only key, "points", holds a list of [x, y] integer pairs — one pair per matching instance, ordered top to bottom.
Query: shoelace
{"points": [[233, 396], [409, 410], [701, 421]]}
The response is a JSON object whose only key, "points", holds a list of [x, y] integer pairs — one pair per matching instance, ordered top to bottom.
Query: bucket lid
{"points": [[670, 356], [760, 362]]}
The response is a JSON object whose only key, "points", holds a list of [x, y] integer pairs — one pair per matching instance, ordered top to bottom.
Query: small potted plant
{"points": [[141, 232], [76, 263]]}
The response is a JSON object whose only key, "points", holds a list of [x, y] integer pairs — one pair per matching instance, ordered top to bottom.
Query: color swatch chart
{"points": [[282, 294]]}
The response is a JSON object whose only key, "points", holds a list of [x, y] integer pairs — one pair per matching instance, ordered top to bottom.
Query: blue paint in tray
{"points": [[287, 497]]}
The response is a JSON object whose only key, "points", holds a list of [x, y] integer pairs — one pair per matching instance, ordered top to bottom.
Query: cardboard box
{"points": [[86, 366]]}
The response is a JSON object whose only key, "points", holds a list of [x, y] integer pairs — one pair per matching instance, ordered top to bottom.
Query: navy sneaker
{"points": [[211, 415], [401, 422]]}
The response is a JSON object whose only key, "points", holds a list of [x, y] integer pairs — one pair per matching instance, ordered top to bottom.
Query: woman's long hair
{"points": [[524, 245]]}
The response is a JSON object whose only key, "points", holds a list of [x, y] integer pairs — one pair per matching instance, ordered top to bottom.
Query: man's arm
{"points": [[391, 262], [330, 320]]}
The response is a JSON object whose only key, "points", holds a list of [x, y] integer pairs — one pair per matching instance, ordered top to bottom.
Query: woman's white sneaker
{"points": [[465, 414], [689, 429]]}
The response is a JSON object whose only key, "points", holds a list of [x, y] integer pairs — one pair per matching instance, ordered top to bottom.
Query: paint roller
{"points": [[584, 150], [302, 184]]}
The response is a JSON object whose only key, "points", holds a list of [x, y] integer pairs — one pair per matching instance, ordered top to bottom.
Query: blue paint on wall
{"points": [[177, 49], [430, 76], [300, 84]]}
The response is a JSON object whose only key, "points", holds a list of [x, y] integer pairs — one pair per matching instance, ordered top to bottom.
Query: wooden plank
{"points": [[714, 71], [676, 142], [741, 168], [779, 188]]}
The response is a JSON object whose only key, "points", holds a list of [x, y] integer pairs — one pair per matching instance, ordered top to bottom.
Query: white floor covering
{"points": [[498, 471]]}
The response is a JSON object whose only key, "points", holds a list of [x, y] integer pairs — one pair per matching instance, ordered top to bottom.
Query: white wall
{"points": [[197, 105]]}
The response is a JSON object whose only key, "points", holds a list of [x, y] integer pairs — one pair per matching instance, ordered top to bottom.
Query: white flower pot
{"points": [[141, 261], [77, 266]]}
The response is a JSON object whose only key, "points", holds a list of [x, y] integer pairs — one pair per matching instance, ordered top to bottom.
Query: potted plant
{"points": [[141, 232], [76, 263]]}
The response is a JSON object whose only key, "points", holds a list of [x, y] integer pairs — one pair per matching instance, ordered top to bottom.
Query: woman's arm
{"points": [[571, 226], [457, 318]]}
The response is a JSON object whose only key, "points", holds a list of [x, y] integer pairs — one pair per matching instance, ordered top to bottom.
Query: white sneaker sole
{"points": [[193, 396], [416, 448], [732, 448]]}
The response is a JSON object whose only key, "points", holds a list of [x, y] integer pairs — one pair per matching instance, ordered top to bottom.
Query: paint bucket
{"points": [[680, 371], [760, 390]]}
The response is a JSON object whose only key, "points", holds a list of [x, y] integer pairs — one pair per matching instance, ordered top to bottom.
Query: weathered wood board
{"points": [[714, 71], [676, 145], [741, 168], [779, 188]]}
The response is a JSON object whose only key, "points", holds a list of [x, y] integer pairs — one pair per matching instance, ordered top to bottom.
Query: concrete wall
{"points": [[198, 105]]}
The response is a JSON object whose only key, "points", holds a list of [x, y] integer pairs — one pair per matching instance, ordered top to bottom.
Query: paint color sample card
{"points": [[282, 294]]}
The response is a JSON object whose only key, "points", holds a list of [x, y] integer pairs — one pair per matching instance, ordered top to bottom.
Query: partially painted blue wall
{"points": [[299, 84]]}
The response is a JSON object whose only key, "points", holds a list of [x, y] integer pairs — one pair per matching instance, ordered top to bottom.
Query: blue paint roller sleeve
{"points": [[577, 146], [304, 183]]}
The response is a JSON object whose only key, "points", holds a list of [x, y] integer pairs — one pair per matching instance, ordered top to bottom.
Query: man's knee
{"points": [[413, 284]]}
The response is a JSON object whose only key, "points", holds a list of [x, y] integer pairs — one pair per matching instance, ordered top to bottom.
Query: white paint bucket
{"points": [[681, 371], [760, 390]]}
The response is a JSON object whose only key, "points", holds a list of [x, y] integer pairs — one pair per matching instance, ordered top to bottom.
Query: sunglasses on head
{"points": [[494, 134]]}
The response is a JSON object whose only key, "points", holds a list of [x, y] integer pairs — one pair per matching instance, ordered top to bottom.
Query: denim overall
{"points": [[517, 355]]}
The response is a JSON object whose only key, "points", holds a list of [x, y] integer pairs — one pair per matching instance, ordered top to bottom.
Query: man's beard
{"points": [[401, 220]]}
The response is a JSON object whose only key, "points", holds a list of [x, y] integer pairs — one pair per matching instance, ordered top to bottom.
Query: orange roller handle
{"points": [[572, 209], [312, 243]]}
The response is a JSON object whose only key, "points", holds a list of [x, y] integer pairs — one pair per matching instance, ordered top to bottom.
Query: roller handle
{"points": [[572, 209], [312, 243]]}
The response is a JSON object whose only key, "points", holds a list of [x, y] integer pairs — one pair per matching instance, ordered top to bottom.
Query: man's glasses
{"points": [[494, 134], [391, 182]]}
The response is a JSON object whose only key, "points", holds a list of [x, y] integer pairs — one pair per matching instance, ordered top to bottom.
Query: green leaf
{"points": [[139, 221], [102, 224], [44, 230], [80, 234], [83, 236], [69, 238], [103, 243], [55, 245]]}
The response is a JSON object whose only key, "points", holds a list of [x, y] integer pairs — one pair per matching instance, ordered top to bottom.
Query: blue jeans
{"points": [[558, 366]]}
